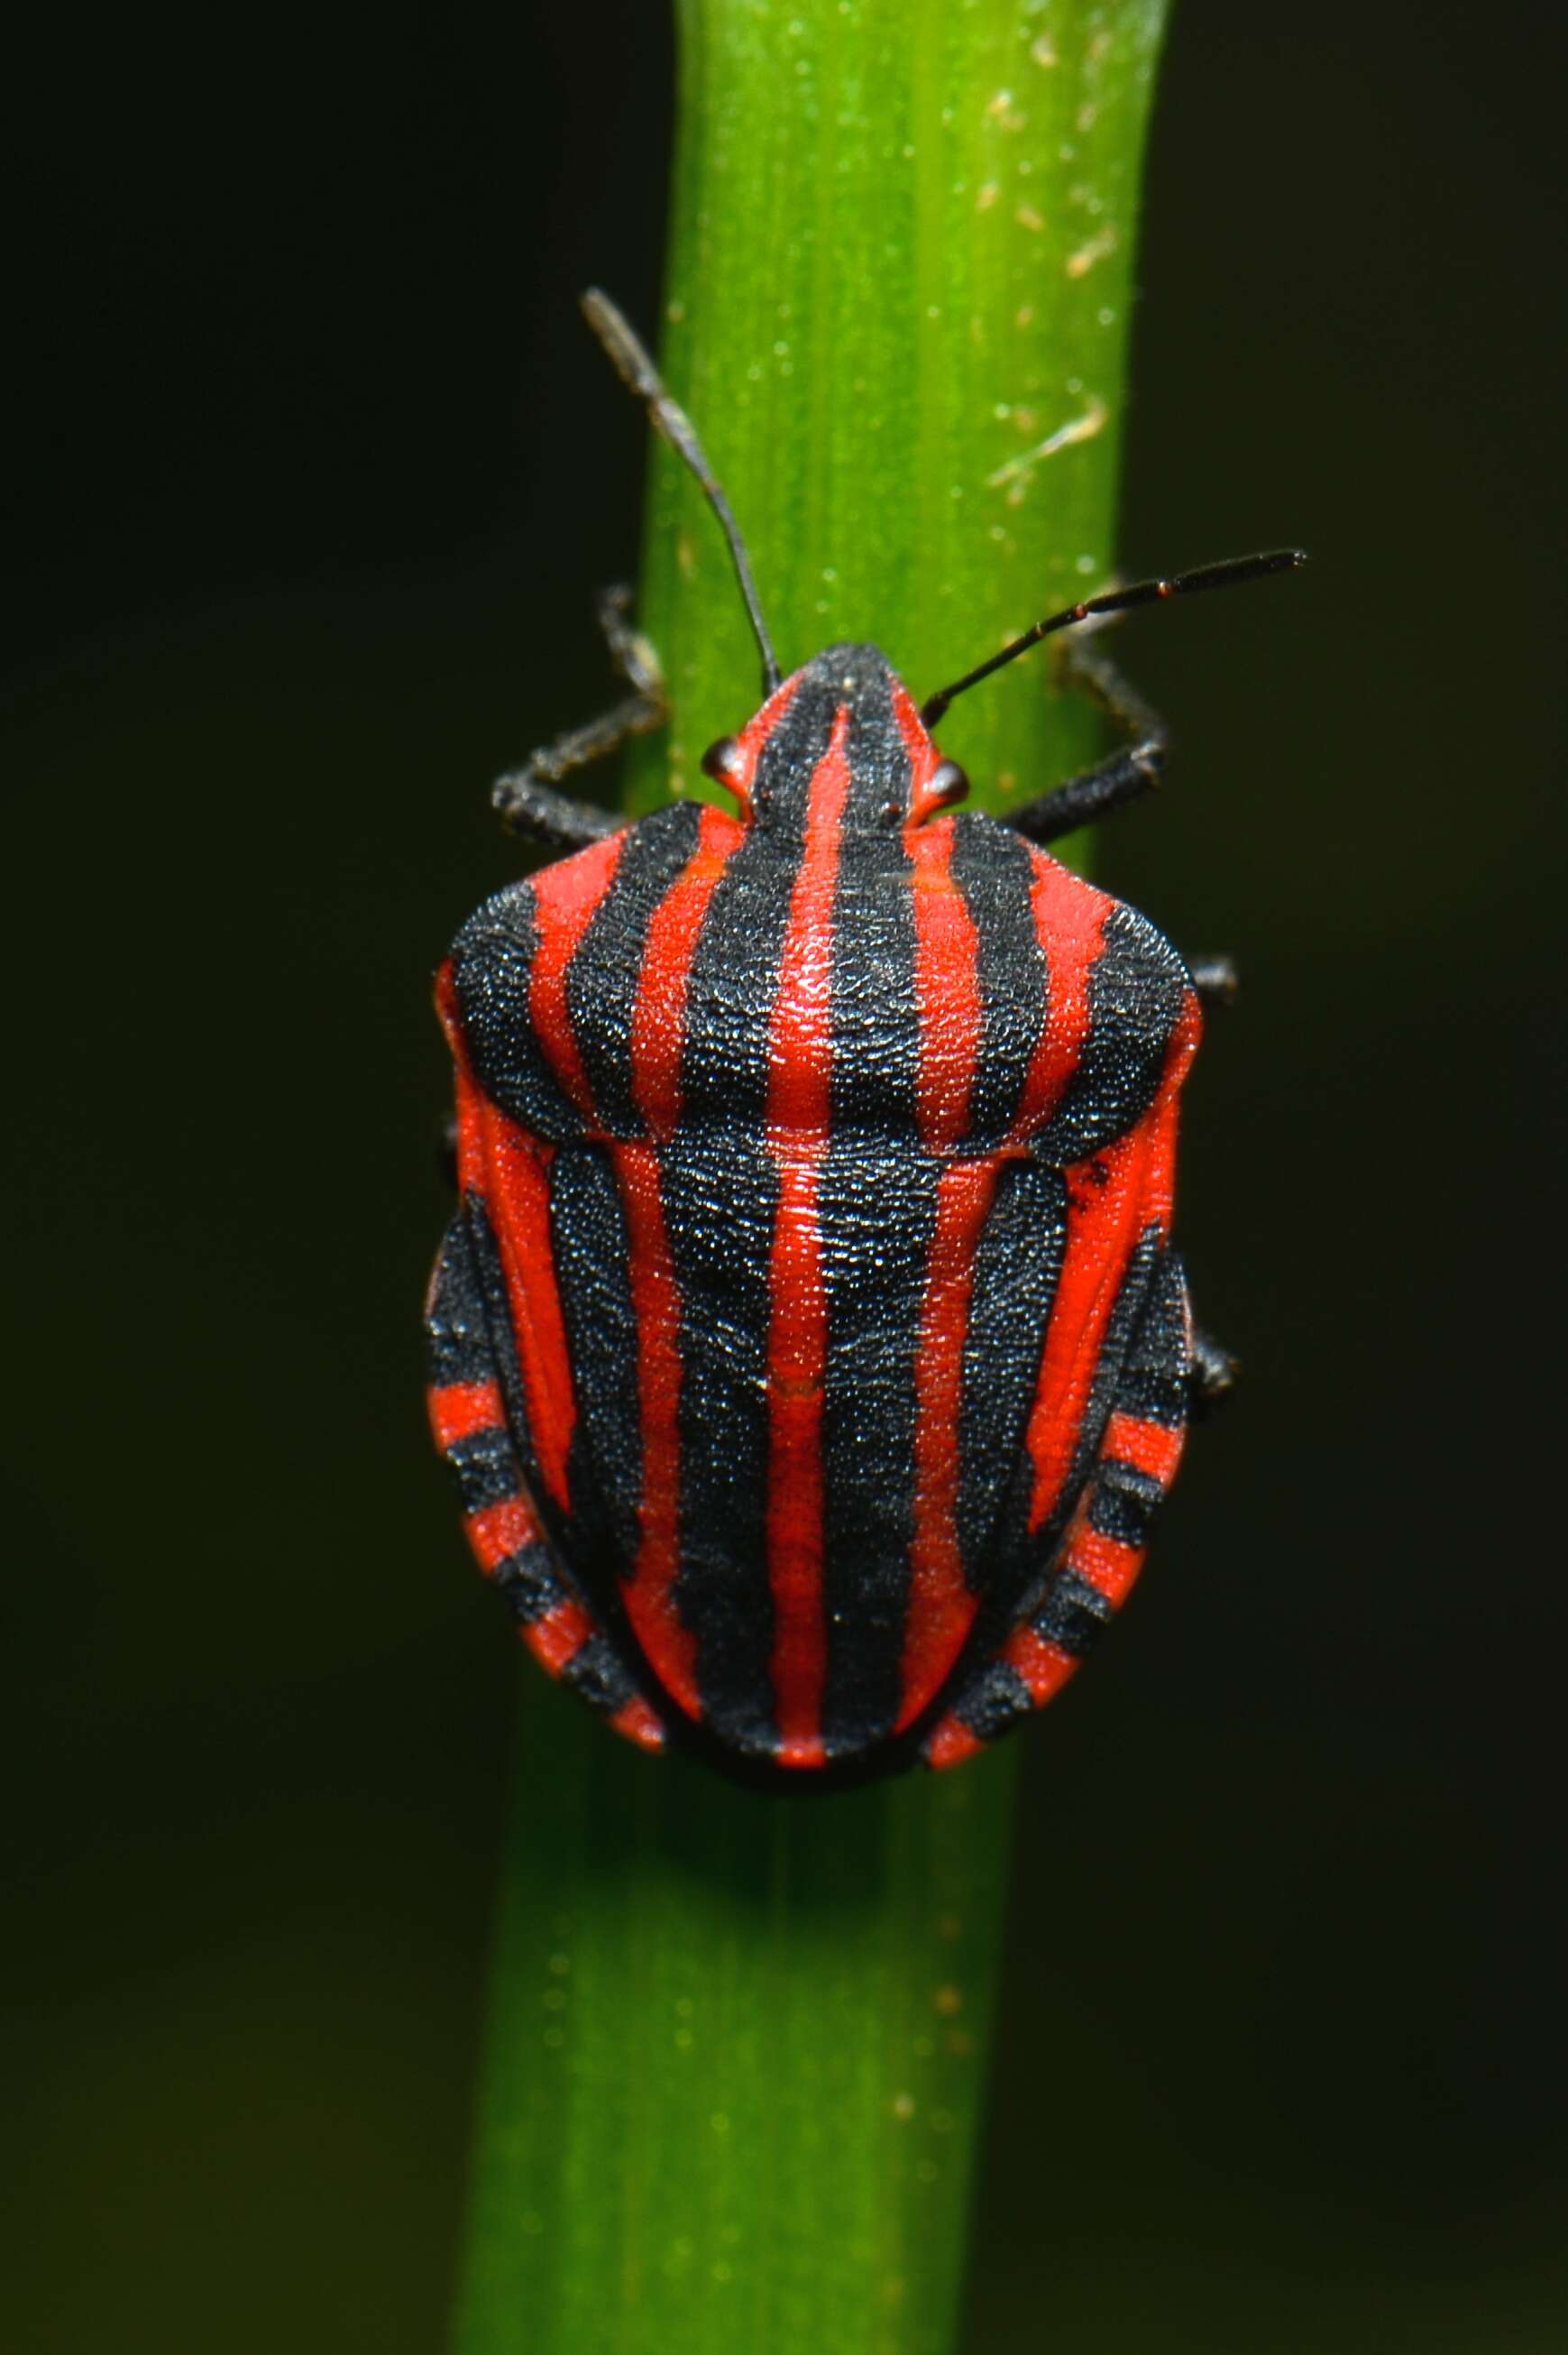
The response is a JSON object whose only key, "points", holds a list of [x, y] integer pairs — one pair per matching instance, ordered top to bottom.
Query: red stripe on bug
{"points": [[754, 735], [923, 757], [737, 775], [565, 898], [1069, 923], [946, 987], [658, 1010], [658, 1038], [800, 1096], [470, 1102], [507, 1170], [516, 1189], [1110, 1202], [1104, 1218], [796, 1364], [461, 1408], [1149, 1447], [501, 1529], [1105, 1563], [649, 1593], [941, 1605], [558, 1636], [1041, 1667], [637, 1722], [950, 1744]]}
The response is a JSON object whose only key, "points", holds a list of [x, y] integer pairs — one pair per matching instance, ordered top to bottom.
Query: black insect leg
{"points": [[1122, 777], [526, 798], [1215, 979], [1213, 1373]]}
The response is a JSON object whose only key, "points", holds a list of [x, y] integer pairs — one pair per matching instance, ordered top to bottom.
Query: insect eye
{"points": [[724, 763], [949, 784], [890, 812]]}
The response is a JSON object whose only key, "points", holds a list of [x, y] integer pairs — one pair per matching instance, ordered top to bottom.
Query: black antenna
{"points": [[637, 370], [1117, 601]]}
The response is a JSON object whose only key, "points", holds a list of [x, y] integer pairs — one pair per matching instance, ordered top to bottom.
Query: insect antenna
{"points": [[638, 371], [1118, 601]]}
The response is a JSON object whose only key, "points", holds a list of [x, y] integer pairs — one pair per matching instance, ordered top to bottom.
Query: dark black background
{"points": [[310, 475]]}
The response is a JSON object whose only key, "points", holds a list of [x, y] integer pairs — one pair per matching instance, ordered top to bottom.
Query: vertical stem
{"points": [[898, 307], [738, 2044], [737, 2058]]}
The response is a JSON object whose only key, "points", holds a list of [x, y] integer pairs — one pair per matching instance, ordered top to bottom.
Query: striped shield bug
{"points": [[808, 1343]]}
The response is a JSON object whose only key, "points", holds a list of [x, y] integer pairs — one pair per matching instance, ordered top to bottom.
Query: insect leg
{"points": [[1122, 777], [526, 798], [1215, 979], [1213, 1373], [469, 1418], [1101, 1551]]}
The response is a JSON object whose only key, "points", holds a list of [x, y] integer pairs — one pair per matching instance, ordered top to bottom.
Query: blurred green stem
{"points": [[738, 2045]]}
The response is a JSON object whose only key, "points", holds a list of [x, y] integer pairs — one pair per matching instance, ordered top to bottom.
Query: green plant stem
{"points": [[897, 308], [737, 2044], [737, 2059]]}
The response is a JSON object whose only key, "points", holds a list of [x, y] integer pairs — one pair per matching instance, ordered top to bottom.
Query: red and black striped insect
{"points": [[808, 1343]]}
